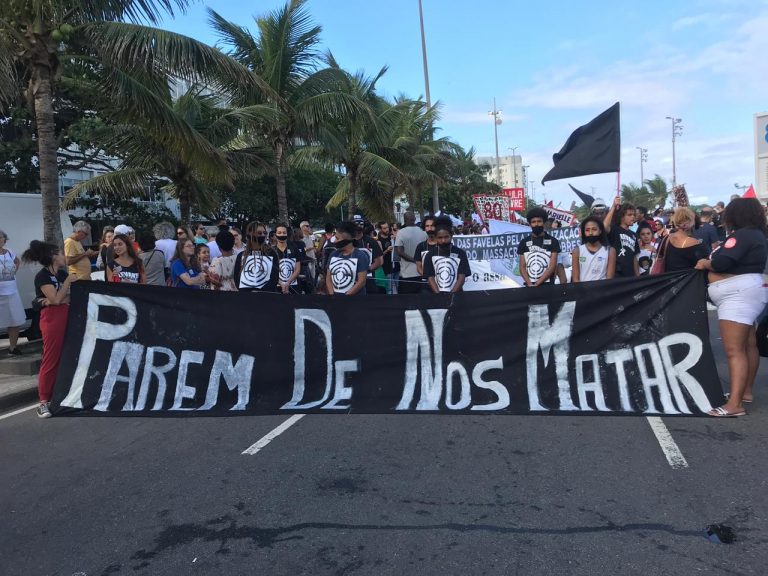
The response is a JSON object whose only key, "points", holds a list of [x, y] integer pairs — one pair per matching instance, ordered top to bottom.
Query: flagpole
{"points": [[618, 183]]}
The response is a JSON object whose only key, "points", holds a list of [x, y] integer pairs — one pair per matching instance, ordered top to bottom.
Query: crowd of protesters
{"points": [[355, 258]]}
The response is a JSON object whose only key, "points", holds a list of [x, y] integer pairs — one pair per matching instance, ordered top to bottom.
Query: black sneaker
{"points": [[14, 351], [43, 411]]}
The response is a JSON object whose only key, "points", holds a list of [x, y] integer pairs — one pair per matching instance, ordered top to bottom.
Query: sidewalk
{"points": [[18, 374], [16, 390]]}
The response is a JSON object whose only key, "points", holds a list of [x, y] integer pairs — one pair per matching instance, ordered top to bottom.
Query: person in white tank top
{"points": [[594, 259]]}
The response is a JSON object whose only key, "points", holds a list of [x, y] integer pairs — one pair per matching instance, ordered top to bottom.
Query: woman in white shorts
{"points": [[736, 288], [12, 316]]}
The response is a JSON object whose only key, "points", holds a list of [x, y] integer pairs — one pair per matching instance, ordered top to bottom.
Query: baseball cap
{"points": [[598, 204], [123, 229]]}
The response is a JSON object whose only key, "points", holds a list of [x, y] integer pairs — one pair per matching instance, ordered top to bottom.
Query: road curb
{"points": [[18, 398]]}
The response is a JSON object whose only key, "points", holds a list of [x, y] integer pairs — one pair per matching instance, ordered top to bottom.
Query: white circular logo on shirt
{"points": [[536, 263], [287, 267], [256, 272], [446, 272], [343, 273]]}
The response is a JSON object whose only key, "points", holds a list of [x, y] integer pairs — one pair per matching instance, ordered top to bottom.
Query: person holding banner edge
{"points": [[617, 222], [538, 251], [595, 259], [447, 267], [736, 288]]}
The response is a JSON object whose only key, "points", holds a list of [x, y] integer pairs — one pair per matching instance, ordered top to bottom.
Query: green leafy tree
{"points": [[109, 36]]}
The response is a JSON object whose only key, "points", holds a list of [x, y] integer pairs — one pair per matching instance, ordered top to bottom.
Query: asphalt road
{"points": [[353, 494]]}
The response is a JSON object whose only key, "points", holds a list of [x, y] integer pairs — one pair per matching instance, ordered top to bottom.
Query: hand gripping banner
{"points": [[624, 347]]}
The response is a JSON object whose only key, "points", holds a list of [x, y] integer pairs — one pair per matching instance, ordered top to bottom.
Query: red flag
{"points": [[750, 193], [551, 203]]}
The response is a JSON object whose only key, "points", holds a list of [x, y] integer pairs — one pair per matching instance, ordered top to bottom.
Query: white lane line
{"points": [[19, 411], [667, 443], [251, 450]]}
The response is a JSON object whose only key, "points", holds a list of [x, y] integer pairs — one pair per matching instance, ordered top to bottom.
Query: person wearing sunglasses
{"points": [[201, 235], [257, 267]]}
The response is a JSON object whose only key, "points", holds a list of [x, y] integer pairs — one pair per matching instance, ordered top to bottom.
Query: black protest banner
{"points": [[628, 346]]}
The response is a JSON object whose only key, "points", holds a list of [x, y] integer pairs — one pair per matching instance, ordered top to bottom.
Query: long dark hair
{"points": [[745, 213], [600, 225], [250, 245], [129, 250], [41, 252], [178, 254]]}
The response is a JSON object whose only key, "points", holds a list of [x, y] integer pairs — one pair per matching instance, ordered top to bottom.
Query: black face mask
{"points": [[537, 230], [431, 233], [282, 238], [260, 239], [592, 239], [343, 243]]}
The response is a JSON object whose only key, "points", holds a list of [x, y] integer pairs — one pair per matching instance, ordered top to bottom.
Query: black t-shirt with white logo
{"points": [[627, 249], [538, 252], [445, 266], [257, 271]]}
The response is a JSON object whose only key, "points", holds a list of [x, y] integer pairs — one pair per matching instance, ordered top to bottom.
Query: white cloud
{"points": [[476, 116]]}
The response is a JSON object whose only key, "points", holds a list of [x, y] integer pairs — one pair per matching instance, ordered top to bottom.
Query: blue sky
{"points": [[552, 66]]}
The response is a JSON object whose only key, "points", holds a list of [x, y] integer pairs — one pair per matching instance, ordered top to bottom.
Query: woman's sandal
{"points": [[721, 412]]}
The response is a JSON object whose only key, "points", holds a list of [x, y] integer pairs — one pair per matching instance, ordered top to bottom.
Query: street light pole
{"points": [[496, 121], [677, 130], [643, 160], [435, 198]]}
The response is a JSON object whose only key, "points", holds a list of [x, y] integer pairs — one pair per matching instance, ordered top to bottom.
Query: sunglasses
{"points": [[180, 232]]}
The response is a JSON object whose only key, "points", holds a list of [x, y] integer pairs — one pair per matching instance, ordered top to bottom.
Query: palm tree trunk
{"points": [[47, 146], [280, 169], [352, 193], [184, 206]]}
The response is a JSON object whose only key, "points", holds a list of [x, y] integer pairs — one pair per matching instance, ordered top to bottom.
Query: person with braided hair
{"points": [[258, 266]]}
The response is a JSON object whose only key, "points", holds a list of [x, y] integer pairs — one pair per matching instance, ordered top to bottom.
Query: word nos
{"points": [[157, 362], [448, 384]]}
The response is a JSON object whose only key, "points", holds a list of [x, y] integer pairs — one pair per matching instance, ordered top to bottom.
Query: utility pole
{"points": [[496, 121], [677, 130], [643, 160], [435, 198]]}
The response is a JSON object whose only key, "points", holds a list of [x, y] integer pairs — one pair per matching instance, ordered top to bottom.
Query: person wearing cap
{"points": [[598, 208], [617, 222], [707, 231], [372, 248], [538, 251], [78, 258], [347, 265], [447, 267]]}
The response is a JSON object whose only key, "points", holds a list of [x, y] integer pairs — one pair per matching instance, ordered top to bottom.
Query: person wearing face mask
{"points": [[617, 222], [364, 242], [425, 248], [538, 251], [682, 251], [595, 259], [290, 263], [347, 265], [257, 267], [446, 267]]}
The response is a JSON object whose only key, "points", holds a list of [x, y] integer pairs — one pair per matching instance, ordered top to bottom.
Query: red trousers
{"points": [[53, 324]]}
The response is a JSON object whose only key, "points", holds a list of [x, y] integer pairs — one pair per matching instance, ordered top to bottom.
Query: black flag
{"points": [[594, 148], [586, 198]]}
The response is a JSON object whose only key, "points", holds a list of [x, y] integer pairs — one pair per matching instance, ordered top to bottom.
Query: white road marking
{"points": [[19, 411], [667, 443], [251, 450]]}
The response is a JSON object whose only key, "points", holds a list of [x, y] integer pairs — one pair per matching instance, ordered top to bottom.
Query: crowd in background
{"points": [[357, 257]]}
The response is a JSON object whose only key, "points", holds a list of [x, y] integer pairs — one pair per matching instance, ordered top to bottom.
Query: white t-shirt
{"points": [[409, 238], [167, 246], [214, 249], [593, 266], [8, 274]]}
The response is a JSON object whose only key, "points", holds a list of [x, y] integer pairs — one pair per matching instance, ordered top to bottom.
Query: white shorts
{"points": [[739, 298], [11, 311]]}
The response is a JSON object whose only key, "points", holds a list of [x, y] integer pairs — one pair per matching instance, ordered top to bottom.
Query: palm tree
{"points": [[110, 36], [285, 55], [354, 137], [191, 169], [658, 191]]}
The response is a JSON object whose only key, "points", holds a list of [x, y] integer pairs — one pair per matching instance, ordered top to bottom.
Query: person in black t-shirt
{"points": [[617, 222], [385, 241], [428, 246], [372, 248], [538, 251], [290, 261], [257, 267], [447, 267], [735, 273]]}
